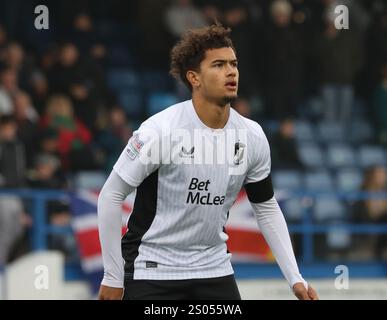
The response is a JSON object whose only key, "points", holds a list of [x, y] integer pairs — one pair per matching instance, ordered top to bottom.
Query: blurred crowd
{"points": [[53, 87], [58, 115]]}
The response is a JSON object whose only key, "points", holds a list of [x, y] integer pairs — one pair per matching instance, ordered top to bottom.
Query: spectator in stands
{"points": [[210, 10], [182, 15], [85, 37], [244, 37], [3, 38], [156, 40], [376, 49], [93, 51], [13, 55], [14, 58], [339, 58], [283, 63], [66, 70], [79, 79], [8, 86], [39, 90], [380, 105], [84, 106], [242, 106], [23, 108], [26, 118], [73, 136], [114, 137], [48, 142], [284, 149], [12, 155], [12, 175], [45, 175], [373, 211], [12, 223], [66, 243]]}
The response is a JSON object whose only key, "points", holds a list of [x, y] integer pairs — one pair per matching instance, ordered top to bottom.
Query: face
{"points": [[281, 19], [15, 55], [69, 55], [217, 79], [9, 80], [21, 104], [118, 118], [287, 129], [8, 132], [49, 145], [45, 171], [380, 177]]}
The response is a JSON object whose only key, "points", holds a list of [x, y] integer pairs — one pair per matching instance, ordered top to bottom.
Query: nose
{"points": [[231, 70]]}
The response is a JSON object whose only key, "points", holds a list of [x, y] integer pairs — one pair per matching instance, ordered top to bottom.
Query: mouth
{"points": [[231, 85]]}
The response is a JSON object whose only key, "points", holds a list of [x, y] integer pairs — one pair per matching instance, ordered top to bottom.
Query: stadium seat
{"points": [[119, 56], [122, 80], [156, 81], [159, 101], [131, 102], [271, 126], [303, 131], [361, 131], [330, 132], [311, 155], [340, 155], [370, 155], [287, 179], [91, 180], [349, 180], [319, 181], [293, 209], [328, 209], [338, 238]]}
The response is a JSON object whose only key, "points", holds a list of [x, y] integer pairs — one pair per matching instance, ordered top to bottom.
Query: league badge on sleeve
{"points": [[134, 146]]}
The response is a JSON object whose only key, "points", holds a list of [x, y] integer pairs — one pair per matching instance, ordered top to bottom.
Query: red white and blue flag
{"points": [[245, 242]]}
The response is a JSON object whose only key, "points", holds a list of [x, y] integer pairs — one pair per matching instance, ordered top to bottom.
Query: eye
{"points": [[218, 65]]}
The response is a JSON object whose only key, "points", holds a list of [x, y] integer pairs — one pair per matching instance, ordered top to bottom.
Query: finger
{"points": [[302, 294], [313, 294]]}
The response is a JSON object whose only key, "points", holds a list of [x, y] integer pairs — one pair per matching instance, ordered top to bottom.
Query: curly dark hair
{"points": [[190, 51]]}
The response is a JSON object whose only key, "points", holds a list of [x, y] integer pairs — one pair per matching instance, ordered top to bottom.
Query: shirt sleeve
{"points": [[141, 156], [258, 183], [110, 200], [273, 226]]}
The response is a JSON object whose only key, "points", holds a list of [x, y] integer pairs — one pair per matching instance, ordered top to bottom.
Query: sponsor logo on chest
{"points": [[198, 193]]}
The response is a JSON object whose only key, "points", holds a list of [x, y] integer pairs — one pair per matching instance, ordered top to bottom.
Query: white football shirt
{"points": [[187, 177]]}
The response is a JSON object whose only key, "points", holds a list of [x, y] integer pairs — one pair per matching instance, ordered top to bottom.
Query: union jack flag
{"points": [[245, 242]]}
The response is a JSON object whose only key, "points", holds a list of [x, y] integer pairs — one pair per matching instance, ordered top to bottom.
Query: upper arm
{"points": [[141, 155], [258, 184]]}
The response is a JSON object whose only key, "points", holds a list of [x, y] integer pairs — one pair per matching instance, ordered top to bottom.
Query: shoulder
{"points": [[169, 118]]}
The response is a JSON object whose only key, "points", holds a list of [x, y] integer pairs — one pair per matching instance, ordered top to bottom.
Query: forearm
{"points": [[110, 200], [273, 227]]}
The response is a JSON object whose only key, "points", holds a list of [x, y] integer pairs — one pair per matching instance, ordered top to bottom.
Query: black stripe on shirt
{"points": [[144, 212]]}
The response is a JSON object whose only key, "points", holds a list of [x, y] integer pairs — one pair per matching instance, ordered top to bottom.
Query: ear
{"points": [[194, 78]]}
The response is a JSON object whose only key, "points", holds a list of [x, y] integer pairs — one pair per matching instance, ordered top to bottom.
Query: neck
{"points": [[213, 115]]}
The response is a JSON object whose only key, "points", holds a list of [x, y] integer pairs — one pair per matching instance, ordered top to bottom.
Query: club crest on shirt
{"points": [[134, 146], [239, 151]]}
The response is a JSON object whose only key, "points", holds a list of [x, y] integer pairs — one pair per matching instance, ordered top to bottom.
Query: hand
{"points": [[110, 293], [302, 294]]}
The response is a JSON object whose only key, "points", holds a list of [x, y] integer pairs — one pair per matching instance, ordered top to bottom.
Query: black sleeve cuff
{"points": [[260, 191]]}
